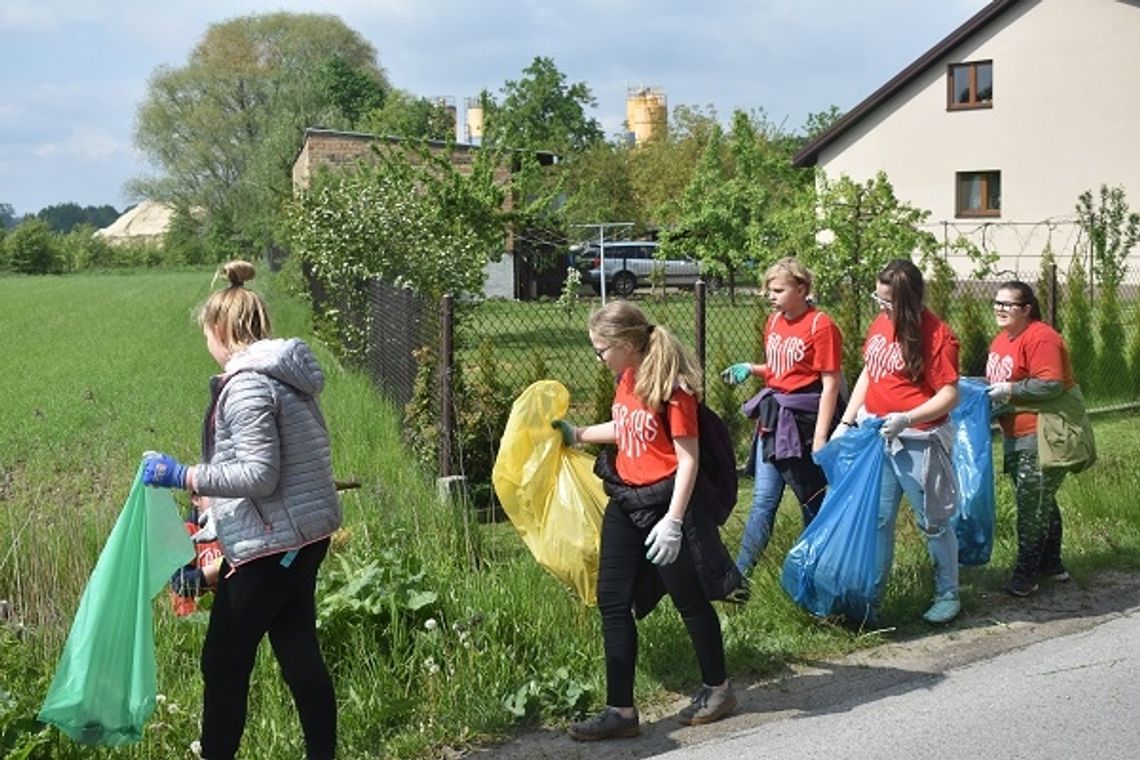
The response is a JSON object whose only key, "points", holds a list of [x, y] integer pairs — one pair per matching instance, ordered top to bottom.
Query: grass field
{"points": [[450, 620]]}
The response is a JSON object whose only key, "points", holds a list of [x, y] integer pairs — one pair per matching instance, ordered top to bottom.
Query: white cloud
{"points": [[94, 145]]}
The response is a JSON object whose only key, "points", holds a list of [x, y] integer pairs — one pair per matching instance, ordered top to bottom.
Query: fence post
{"points": [[1053, 295], [699, 320], [446, 366]]}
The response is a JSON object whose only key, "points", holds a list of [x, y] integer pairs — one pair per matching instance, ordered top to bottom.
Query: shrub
{"points": [[1078, 328]]}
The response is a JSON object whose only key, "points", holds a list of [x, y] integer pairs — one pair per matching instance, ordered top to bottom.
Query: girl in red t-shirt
{"points": [[803, 351], [1028, 364], [910, 380], [654, 428]]}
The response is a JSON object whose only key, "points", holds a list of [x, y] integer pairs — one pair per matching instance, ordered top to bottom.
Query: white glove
{"points": [[1000, 393], [893, 424], [840, 430], [208, 529], [664, 541]]}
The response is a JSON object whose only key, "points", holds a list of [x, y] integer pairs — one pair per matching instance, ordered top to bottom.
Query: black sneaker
{"points": [[1056, 573], [1019, 585], [741, 594], [608, 724]]}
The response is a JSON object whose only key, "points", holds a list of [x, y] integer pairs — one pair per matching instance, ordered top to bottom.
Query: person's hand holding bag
{"points": [[1000, 393], [893, 424], [568, 431], [163, 471], [664, 541]]}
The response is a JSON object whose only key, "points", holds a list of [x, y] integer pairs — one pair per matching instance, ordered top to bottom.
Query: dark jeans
{"points": [[1038, 516], [623, 550], [263, 597]]}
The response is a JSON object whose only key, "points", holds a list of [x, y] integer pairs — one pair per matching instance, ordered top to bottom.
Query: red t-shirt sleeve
{"points": [[828, 346], [1047, 358], [942, 362], [682, 410]]}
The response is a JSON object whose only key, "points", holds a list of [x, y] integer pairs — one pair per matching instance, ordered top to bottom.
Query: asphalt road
{"points": [[1052, 677], [1075, 696]]}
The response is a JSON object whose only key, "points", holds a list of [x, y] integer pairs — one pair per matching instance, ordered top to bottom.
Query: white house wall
{"points": [[1047, 148]]}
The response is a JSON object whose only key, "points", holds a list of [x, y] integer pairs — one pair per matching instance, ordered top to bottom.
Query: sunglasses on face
{"points": [[1006, 305], [601, 352]]}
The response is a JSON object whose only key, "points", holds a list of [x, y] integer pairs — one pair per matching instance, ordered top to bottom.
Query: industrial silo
{"points": [[646, 113], [473, 131]]}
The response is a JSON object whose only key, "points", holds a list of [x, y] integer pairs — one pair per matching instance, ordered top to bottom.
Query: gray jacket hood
{"points": [[290, 361]]}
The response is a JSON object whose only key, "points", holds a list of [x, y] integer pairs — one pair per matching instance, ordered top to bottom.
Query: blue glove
{"points": [[737, 373], [893, 424], [569, 432], [164, 471], [664, 541], [189, 582]]}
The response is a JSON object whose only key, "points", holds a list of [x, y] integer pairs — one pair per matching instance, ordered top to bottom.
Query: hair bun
{"points": [[239, 272]]}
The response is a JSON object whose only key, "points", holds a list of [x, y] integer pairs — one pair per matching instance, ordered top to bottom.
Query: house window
{"points": [[970, 85], [978, 194]]}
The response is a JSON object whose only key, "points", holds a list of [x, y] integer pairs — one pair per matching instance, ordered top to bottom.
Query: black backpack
{"points": [[716, 470]]}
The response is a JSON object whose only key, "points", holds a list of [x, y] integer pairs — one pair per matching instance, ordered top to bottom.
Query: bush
{"points": [[32, 248], [1078, 329], [974, 336], [1113, 378]]}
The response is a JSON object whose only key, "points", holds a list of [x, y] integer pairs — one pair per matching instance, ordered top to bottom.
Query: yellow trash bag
{"points": [[549, 491]]}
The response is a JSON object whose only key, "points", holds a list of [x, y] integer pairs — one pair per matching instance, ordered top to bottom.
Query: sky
{"points": [[75, 71]]}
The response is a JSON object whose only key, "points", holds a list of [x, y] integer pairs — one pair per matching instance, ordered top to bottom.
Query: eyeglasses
{"points": [[881, 302], [1005, 305], [601, 352]]}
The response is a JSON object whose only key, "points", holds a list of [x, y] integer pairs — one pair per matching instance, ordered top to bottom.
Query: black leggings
{"points": [[623, 549], [265, 597]]}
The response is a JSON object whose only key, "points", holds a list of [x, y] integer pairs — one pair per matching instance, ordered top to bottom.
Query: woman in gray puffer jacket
{"points": [[267, 488]]}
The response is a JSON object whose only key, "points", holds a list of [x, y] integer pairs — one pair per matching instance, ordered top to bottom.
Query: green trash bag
{"points": [[104, 686]]}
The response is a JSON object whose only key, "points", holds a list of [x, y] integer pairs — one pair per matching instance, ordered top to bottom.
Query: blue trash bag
{"points": [[973, 459], [831, 568]]}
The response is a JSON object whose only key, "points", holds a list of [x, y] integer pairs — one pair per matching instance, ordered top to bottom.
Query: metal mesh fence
{"points": [[502, 345]]}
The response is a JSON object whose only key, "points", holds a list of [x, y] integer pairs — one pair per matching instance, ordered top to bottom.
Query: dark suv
{"points": [[630, 264]]}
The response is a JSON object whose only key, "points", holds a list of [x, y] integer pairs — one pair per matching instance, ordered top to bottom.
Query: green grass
{"points": [[101, 368]]}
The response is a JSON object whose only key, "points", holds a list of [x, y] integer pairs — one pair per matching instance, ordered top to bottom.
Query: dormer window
{"points": [[970, 85]]}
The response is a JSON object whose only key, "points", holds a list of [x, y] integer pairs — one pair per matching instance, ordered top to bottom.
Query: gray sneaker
{"points": [[708, 705], [608, 724]]}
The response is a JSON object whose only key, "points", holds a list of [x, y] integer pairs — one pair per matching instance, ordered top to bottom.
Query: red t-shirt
{"points": [[797, 351], [1039, 352], [891, 388], [645, 451]]}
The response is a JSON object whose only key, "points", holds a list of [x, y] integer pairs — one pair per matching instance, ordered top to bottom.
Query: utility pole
{"points": [[601, 228]]}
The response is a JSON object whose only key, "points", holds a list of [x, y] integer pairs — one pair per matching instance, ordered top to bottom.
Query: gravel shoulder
{"points": [[999, 624]]}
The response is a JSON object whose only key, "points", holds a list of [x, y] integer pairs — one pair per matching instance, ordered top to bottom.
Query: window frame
{"points": [[973, 104], [986, 175]]}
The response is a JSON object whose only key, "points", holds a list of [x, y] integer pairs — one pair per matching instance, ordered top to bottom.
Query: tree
{"points": [[351, 90], [541, 112], [406, 115], [225, 128], [661, 169], [598, 186], [725, 213], [7, 217], [65, 217], [412, 219], [862, 226], [1112, 231], [31, 249], [1078, 327]]}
